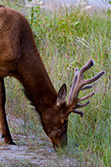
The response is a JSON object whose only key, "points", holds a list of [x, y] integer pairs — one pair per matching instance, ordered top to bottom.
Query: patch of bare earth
{"points": [[27, 153]]}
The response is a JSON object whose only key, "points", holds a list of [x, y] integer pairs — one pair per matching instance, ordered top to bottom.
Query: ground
{"points": [[31, 152], [35, 156]]}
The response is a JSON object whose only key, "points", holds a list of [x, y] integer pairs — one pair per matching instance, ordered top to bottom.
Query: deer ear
{"points": [[61, 94]]}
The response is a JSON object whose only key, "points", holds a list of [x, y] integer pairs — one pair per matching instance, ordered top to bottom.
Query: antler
{"points": [[79, 84]]}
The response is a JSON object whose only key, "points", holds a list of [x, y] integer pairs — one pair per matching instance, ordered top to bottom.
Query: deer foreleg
{"points": [[4, 125]]}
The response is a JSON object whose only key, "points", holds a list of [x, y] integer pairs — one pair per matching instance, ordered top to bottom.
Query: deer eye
{"points": [[65, 121]]}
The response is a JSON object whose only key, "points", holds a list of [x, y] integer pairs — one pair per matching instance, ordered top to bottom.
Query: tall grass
{"points": [[66, 40]]}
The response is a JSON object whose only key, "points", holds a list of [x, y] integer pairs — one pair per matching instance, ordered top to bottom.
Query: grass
{"points": [[67, 40]]}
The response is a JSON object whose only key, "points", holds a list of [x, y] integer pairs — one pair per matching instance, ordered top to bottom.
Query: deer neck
{"points": [[37, 84]]}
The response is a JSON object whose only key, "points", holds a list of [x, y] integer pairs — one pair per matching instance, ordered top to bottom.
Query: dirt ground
{"points": [[30, 155]]}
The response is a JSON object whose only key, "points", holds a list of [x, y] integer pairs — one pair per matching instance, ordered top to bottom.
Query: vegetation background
{"points": [[67, 39]]}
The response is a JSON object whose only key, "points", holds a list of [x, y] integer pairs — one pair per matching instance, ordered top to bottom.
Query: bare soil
{"points": [[27, 153]]}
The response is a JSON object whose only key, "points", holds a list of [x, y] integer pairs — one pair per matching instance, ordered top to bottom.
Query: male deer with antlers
{"points": [[19, 58]]}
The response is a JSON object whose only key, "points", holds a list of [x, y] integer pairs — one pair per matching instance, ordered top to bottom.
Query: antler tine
{"points": [[87, 66], [95, 78], [74, 81], [86, 87], [86, 97], [82, 105], [78, 112]]}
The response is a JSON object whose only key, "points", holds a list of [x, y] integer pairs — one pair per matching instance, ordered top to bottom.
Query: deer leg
{"points": [[4, 125]]}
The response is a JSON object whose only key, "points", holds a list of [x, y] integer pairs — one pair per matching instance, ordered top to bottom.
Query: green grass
{"points": [[67, 40]]}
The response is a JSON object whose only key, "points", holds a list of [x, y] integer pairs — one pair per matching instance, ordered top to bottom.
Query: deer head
{"points": [[56, 121]]}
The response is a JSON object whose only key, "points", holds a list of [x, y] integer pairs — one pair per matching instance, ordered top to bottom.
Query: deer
{"points": [[19, 58]]}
